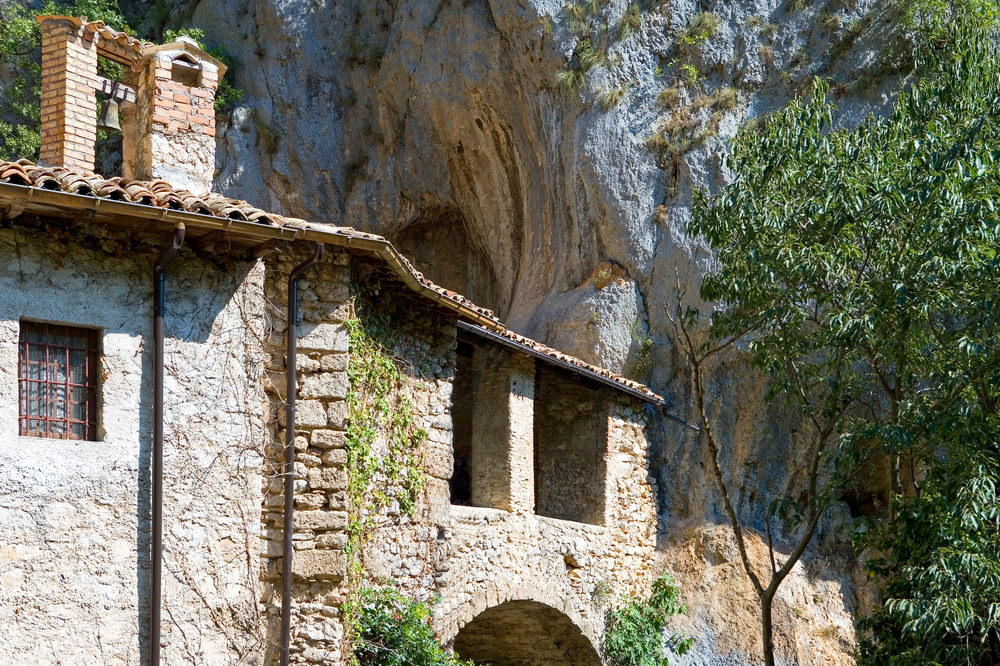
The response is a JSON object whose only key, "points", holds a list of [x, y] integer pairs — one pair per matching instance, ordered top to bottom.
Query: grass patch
{"points": [[630, 22], [702, 27], [569, 81], [612, 97], [669, 97], [726, 99]]}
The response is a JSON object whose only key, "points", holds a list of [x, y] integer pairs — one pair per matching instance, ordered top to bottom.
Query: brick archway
{"points": [[524, 633]]}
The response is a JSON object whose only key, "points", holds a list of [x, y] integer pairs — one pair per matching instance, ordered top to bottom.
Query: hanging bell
{"points": [[108, 118]]}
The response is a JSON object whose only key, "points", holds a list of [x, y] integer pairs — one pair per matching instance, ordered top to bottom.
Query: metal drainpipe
{"points": [[289, 471], [156, 556]]}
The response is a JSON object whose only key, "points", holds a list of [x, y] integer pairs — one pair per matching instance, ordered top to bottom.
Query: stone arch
{"points": [[476, 597], [524, 633]]}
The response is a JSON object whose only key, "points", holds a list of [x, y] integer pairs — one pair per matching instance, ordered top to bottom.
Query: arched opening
{"points": [[524, 633]]}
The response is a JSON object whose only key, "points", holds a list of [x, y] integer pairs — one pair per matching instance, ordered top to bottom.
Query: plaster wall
{"points": [[74, 516]]}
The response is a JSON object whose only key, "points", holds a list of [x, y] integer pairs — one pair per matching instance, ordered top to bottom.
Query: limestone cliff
{"points": [[441, 125]]}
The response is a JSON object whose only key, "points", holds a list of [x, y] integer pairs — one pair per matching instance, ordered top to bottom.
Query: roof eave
{"points": [[25, 198]]}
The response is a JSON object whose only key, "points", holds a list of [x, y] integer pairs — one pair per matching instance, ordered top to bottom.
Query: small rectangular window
{"points": [[57, 381]]}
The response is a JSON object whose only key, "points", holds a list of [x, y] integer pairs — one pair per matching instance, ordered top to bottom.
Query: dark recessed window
{"points": [[57, 380]]}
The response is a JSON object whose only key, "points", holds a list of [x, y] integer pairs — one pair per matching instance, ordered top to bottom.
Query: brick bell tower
{"points": [[167, 102]]}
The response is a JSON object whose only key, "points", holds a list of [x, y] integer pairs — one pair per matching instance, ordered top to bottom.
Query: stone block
{"points": [[324, 337], [334, 362], [324, 385], [310, 413], [336, 415], [328, 439], [334, 457], [438, 461], [327, 479], [320, 520], [331, 541], [319, 565]]}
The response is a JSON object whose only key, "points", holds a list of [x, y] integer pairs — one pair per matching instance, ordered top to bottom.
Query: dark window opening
{"points": [[186, 72], [57, 381], [463, 396], [571, 443]]}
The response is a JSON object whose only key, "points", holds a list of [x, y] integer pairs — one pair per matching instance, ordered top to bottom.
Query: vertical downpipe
{"points": [[289, 470], [156, 556]]}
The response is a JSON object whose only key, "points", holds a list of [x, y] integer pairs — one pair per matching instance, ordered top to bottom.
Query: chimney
{"points": [[69, 100], [167, 102], [170, 131]]}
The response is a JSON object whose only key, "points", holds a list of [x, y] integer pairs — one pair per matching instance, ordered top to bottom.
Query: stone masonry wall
{"points": [[320, 518], [74, 532], [489, 556], [473, 558]]}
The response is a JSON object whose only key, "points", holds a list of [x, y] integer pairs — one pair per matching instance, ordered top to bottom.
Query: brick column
{"points": [[69, 101], [170, 133]]}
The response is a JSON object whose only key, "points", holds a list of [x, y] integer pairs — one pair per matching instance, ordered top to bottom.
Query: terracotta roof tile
{"points": [[160, 194]]}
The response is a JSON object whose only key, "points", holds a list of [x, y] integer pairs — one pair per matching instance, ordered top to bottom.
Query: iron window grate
{"points": [[57, 381]]}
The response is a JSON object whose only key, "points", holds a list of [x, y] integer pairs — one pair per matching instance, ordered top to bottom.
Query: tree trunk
{"points": [[766, 598]]}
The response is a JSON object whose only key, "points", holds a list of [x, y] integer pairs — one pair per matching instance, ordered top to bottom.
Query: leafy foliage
{"points": [[702, 27], [20, 42], [862, 267], [383, 441], [942, 571], [634, 630], [395, 631]]}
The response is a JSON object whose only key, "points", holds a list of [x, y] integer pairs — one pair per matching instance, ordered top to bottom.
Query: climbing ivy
{"points": [[383, 445], [633, 631]]}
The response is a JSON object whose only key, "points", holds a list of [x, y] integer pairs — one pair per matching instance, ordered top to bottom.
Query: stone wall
{"points": [[571, 435], [320, 520], [74, 531], [74, 538]]}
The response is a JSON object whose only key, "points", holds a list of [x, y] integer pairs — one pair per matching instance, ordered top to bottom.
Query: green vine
{"points": [[383, 444], [633, 631]]}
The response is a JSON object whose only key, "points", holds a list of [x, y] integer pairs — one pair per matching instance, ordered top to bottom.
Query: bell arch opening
{"points": [[524, 633]]}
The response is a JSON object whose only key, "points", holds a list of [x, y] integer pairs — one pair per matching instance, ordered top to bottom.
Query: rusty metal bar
{"points": [[289, 469], [156, 556]]}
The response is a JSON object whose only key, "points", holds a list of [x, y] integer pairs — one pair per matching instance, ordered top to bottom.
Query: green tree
{"points": [[20, 53], [861, 269]]}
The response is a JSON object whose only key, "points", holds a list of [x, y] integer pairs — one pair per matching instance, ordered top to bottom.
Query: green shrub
{"points": [[394, 630], [633, 631]]}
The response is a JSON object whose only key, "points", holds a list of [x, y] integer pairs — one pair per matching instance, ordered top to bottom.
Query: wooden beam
{"points": [[122, 94]]}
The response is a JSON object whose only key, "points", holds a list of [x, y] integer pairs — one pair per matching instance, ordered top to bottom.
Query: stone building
{"points": [[147, 375]]}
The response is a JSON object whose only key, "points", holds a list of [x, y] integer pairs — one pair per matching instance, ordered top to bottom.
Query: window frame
{"points": [[52, 422]]}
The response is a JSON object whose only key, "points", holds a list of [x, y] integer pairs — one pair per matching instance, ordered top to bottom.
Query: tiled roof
{"points": [[104, 34], [160, 194]]}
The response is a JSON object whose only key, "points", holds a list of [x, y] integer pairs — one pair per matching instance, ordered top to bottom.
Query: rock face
{"points": [[441, 126]]}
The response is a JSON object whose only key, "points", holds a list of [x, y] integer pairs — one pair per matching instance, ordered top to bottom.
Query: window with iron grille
{"points": [[57, 379]]}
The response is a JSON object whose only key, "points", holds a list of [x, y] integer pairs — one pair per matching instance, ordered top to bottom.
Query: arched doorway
{"points": [[524, 633]]}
